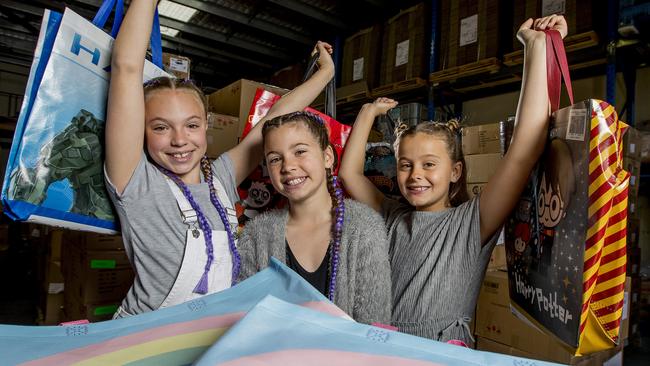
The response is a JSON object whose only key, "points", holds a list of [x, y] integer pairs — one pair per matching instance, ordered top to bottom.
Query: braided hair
{"points": [[318, 129], [450, 132], [204, 225]]}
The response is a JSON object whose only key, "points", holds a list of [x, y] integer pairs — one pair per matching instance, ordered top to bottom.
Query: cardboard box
{"points": [[587, 20], [471, 31], [405, 45], [361, 56], [177, 65], [289, 77], [236, 99], [222, 134], [487, 139], [644, 147], [633, 166], [481, 167], [473, 189], [633, 232], [55, 241], [85, 241], [498, 258], [98, 276], [54, 282], [51, 309], [74, 310], [496, 322], [624, 330], [611, 357]]}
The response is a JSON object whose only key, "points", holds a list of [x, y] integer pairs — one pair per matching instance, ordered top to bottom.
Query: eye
{"points": [[194, 125], [159, 128], [300, 152], [273, 160], [429, 164], [405, 166], [555, 207]]}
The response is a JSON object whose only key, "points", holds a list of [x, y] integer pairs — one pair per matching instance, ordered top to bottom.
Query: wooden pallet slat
{"points": [[571, 43], [487, 66], [400, 86]]}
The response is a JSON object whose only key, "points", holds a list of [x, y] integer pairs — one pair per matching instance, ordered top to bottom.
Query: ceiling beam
{"points": [[312, 12], [244, 19], [218, 52]]}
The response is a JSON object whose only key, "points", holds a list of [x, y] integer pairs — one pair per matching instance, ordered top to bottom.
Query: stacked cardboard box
{"points": [[525, 9], [471, 30], [405, 45], [361, 57], [176, 65], [289, 77], [236, 100], [222, 134], [97, 274], [52, 285], [499, 330]]}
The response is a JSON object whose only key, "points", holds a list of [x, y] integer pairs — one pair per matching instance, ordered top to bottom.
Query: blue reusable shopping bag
{"points": [[55, 169], [277, 333], [176, 336]]}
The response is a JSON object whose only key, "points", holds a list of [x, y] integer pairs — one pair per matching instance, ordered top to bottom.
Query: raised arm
{"points": [[125, 112], [531, 127], [248, 153], [356, 184]]}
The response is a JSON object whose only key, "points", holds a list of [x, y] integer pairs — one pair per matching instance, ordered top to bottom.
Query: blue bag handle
{"points": [[101, 17]]}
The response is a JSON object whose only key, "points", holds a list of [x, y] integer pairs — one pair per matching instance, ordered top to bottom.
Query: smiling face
{"points": [[175, 126], [296, 162], [425, 171]]}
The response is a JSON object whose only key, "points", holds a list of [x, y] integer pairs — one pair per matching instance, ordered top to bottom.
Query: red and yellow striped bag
{"points": [[566, 239]]}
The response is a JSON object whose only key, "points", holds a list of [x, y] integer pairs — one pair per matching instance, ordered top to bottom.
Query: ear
{"points": [[328, 154], [456, 171]]}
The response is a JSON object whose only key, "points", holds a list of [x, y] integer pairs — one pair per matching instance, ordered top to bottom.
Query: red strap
{"points": [[557, 68]]}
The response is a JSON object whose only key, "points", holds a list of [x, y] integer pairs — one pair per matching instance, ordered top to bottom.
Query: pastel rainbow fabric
{"points": [[277, 333], [177, 335]]}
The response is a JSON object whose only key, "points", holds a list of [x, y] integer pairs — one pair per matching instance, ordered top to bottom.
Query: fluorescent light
{"points": [[175, 11], [168, 31]]}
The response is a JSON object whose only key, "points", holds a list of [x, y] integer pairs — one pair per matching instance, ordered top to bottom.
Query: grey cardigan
{"points": [[363, 285]]}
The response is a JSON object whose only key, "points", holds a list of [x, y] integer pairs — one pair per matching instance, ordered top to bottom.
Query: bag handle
{"points": [[101, 17], [557, 68], [330, 88]]}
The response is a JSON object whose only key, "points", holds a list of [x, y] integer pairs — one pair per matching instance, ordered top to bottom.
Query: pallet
{"points": [[571, 43], [489, 66], [484, 85], [399, 87], [353, 92]]}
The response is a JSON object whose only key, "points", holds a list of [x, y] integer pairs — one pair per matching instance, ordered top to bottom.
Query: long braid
{"points": [[206, 167], [338, 215], [202, 285]]}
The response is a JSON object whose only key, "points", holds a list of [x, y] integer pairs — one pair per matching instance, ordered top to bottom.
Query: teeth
{"points": [[181, 155], [295, 181], [418, 189]]}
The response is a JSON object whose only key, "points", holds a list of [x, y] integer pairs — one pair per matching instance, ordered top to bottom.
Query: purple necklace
{"points": [[338, 213], [202, 285]]}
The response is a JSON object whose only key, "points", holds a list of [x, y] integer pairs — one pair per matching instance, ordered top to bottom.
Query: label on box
{"points": [[550, 7], [469, 30], [402, 53], [179, 64], [357, 69], [577, 121], [632, 148], [632, 180], [102, 263], [55, 288], [626, 300], [105, 310]]}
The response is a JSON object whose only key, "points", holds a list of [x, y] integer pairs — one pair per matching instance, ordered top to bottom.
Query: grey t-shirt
{"points": [[153, 230], [438, 265]]}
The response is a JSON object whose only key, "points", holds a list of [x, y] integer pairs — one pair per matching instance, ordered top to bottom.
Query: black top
{"points": [[319, 278]]}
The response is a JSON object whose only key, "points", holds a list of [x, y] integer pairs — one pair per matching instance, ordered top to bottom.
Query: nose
{"points": [[178, 138], [288, 164], [416, 174]]}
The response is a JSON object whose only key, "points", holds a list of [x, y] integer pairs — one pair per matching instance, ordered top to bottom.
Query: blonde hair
{"points": [[164, 82]]}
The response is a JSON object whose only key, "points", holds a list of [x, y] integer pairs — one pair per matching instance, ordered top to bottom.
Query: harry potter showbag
{"points": [[55, 171], [566, 240], [276, 333], [172, 336]]}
